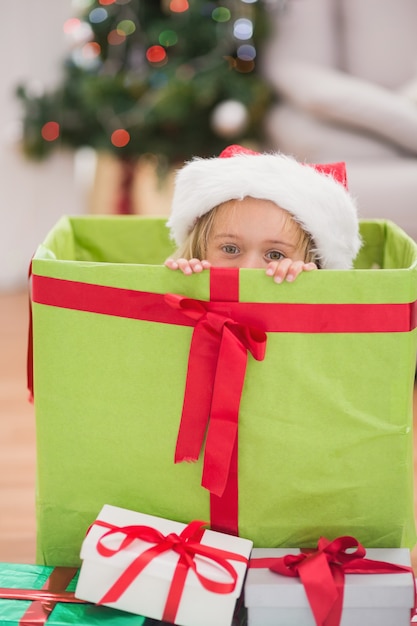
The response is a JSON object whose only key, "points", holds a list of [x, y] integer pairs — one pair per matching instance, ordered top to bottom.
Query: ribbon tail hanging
{"points": [[198, 392], [223, 427], [322, 589]]}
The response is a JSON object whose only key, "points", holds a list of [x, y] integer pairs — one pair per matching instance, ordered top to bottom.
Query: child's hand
{"points": [[192, 266], [287, 269]]}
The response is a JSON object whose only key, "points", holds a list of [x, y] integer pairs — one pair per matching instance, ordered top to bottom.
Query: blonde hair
{"points": [[196, 243]]}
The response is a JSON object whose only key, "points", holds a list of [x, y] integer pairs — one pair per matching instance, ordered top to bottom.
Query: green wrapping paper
{"points": [[325, 422], [14, 576]]}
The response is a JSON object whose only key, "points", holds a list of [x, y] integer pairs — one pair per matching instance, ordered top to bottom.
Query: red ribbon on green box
{"points": [[225, 330], [215, 377], [186, 544], [322, 573], [44, 600]]}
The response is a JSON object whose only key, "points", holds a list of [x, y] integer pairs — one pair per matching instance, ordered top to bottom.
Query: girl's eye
{"points": [[230, 249], [274, 255]]}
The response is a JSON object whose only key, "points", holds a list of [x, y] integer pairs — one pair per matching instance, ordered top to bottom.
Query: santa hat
{"points": [[316, 196]]}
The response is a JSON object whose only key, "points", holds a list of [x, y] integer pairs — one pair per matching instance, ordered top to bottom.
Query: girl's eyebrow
{"points": [[225, 235], [273, 242], [280, 242]]}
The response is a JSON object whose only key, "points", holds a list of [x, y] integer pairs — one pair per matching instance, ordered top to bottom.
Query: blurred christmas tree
{"points": [[173, 78]]}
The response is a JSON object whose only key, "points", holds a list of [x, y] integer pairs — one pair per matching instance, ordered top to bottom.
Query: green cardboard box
{"points": [[323, 444]]}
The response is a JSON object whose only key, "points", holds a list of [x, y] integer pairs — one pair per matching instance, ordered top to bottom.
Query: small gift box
{"points": [[163, 569], [330, 586], [37, 594]]}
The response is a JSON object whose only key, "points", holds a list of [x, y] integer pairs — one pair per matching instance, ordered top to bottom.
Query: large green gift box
{"points": [[299, 394], [36, 594]]}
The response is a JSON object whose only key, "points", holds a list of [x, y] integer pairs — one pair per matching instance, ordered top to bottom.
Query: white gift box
{"points": [[148, 592], [369, 599]]}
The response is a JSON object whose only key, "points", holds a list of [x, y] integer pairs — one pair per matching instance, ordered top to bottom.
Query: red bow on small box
{"points": [[186, 544], [322, 573]]}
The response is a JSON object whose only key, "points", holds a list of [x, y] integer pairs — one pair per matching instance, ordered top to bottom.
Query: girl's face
{"points": [[250, 233]]}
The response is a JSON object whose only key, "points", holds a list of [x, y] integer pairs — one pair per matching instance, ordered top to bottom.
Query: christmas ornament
{"points": [[156, 70], [229, 118]]}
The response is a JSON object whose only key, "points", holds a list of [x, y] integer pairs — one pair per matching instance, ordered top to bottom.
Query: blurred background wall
{"points": [[345, 73], [324, 80], [114, 95], [32, 195]]}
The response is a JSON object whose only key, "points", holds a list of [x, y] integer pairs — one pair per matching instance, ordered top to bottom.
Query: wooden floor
{"points": [[17, 437]]}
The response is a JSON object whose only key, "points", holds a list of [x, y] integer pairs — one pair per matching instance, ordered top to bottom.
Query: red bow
{"points": [[215, 378], [186, 544], [322, 573]]}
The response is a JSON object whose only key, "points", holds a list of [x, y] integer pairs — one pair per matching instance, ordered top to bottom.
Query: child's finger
{"points": [[171, 264], [196, 265], [184, 266], [309, 266], [294, 269], [281, 270]]}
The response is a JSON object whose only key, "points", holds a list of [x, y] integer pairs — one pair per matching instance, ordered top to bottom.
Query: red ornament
{"points": [[156, 54], [50, 131], [120, 138]]}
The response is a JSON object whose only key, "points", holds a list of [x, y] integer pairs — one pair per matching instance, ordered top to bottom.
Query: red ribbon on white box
{"points": [[187, 545], [322, 572]]}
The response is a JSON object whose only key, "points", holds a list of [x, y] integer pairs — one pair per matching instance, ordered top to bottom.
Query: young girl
{"points": [[250, 210]]}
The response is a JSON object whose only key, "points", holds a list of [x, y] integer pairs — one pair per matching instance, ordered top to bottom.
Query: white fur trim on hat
{"points": [[321, 205]]}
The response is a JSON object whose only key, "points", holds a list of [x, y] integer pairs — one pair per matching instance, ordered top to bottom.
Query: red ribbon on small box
{"points": [[186, 544], [322, 573], [44, 600]]}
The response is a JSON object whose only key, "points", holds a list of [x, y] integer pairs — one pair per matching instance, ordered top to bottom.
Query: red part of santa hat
{"points": [[316, 196]]}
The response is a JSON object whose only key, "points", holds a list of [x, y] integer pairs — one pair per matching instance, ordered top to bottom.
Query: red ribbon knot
{"points": [[215, 378], [186, 544], [338, 553], [322, 572]]}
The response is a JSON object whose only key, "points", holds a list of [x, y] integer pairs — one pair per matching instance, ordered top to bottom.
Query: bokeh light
{"points": [[106, 2], [81, 5], [179, 6], [221, 14], [98, 15], [71, 25], [126, 27], [243, 29], [79, 32], [116, 37], [168, 38], [91, 50], [246, 52], [156, 54], [86, 63], [244, 67], [185, 72], [158, 80], [50, 131], [120, 138]]}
